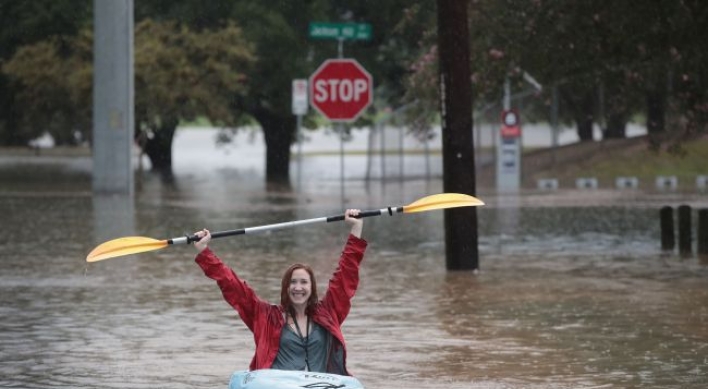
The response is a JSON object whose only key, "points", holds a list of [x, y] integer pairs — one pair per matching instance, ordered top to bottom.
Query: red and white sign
{"points": [[341, 89], [299, 102], [511, 127]]}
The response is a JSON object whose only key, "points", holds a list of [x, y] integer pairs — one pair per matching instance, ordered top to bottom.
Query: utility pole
{"points": [[113, 99], [461, 235]]}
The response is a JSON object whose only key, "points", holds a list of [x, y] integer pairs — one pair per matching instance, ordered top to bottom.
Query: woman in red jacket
{"points": [[302, 332]]}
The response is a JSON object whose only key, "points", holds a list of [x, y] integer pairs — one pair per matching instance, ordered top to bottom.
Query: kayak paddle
{"points": [[138, 244]]}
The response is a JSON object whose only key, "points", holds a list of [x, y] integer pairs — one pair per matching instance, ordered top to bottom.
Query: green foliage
{"points": [[27, 22], [24, 23], [278, 30], [630, 48], [186, 65], [179, 75], [49, 91]]}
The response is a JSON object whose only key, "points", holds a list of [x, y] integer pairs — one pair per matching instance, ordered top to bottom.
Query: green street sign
{"points": [[344, 31]]}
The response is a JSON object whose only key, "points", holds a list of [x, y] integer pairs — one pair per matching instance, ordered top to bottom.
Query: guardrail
{"points": [[662, 183]]}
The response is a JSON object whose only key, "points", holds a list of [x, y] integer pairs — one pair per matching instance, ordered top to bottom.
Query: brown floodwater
{"points": [[573, 292]]}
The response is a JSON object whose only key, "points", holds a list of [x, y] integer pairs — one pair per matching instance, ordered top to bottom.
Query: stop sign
{"points": [[340, 89]]}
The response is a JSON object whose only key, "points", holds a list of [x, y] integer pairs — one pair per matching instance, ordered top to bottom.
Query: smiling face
{"points": [[299, 288]]}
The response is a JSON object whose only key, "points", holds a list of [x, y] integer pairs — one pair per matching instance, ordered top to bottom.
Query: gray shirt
{"points": [[291, 353]]}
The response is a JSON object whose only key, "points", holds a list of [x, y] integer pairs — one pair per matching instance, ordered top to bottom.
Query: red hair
{"points": [[285, 285]]}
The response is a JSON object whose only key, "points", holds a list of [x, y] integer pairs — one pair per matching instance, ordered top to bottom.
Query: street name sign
{"points": [[344, 31]]}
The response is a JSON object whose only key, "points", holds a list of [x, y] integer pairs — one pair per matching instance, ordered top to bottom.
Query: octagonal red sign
{"points": [[341, 89]]}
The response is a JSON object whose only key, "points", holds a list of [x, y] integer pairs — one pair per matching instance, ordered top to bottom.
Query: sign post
{"points": [[341, 32], [341, 89], [299, 105], [509, 150], [509, 155]]}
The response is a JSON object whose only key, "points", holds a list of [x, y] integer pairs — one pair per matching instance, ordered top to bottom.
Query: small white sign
{"points": [[300, 101], [666, 182], [586, 183], [627, 183], [548, 184]]}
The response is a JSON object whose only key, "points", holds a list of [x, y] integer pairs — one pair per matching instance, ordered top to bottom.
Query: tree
{"points": [[23, 23], [278, 29], [633, 53], [179, 75], [53, 83]]}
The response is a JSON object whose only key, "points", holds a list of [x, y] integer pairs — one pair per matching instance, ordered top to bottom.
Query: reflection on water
{"points": [[113, 216], [573, 293]]}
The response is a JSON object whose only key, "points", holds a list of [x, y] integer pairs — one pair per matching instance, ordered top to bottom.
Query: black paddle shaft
{"points": [[363, 214], [220, 234]]}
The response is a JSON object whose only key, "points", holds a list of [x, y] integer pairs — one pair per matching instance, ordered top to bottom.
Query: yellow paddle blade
{"points": [[442, 201], [124, 246]]}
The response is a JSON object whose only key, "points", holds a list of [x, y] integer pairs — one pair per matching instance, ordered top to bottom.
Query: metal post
{"points": [[113, 98], [554, 121], [340, 126], [369, 147], [426, 147], [299, 152], [508, 152], [400, 153], [383, 154]]}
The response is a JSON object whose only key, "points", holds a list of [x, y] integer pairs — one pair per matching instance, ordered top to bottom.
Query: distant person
{"points": [[302, 332]]}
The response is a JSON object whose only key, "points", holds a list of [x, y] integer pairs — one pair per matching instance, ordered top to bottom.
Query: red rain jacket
{"points": [[266, 320]]}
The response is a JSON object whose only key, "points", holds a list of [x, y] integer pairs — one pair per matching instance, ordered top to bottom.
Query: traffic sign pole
{"points": [[342, 32], [340, 53], [341, 89], [299, 105], [509, 149]]}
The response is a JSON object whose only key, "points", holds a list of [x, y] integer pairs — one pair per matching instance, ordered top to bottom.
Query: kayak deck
{"points": [[283, 379]]}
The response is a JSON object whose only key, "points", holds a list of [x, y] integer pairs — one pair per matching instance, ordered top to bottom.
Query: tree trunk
{"points": [[582, 106], [617, 107], [656, 111], [584, 123], [616, 126], [279, 132], [9, 136], [158, 147], [461, 236]]}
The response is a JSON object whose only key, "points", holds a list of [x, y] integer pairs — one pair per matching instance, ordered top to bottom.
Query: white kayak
{"points": [[283, 379]]}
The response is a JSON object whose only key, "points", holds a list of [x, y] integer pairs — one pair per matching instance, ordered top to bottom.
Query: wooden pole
{"points": [[684, 229], [702, 235], [461, 236], [668, 240]]}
